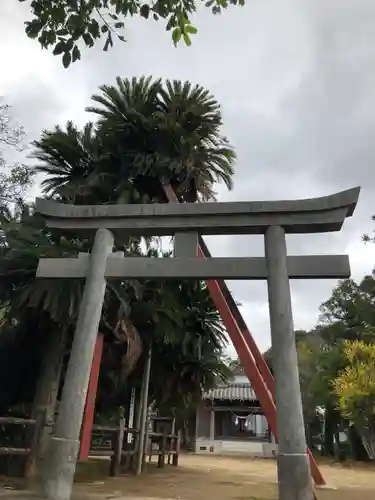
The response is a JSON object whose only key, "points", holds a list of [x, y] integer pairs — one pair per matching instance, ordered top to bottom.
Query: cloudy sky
{"points": [[297, 85]]}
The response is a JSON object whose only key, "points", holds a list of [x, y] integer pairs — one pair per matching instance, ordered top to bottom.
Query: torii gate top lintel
{"points": [[324, 214]]}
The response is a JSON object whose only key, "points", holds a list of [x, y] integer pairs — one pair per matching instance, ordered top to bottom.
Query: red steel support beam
{"points": [[231, 304], [251, 358], [88, 416]]}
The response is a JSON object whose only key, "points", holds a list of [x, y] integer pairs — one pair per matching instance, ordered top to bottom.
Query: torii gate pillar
{"points": [[292, 452], [61, 456]]}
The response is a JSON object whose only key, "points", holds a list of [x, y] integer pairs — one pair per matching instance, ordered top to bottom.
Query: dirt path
{"points": [[222, 478]]}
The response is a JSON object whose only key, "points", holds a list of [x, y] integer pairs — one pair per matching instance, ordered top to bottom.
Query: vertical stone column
{"points": [[131, 415], [197, 426], [212, 426], [61, 456], [292, 461]]}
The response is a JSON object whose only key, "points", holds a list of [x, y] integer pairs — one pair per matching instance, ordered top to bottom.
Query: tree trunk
{"points": [[49, 381], [329, 426], [308, 434], [368, 440], [186, 441], [337, 446], [358, 450]]}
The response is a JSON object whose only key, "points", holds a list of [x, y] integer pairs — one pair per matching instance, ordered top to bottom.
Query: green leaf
{"points": [[145, 11], [58, 14], [74, 22], [171, 24], [119, 25], [32, 28], [94, 28], [104, 28], [190, 29], [176, 35], [50, 37], [122, 38], [88, 39], [187, 39], [108, 42], [69, 44], [59, 48], [76, 53], [66, 60]]}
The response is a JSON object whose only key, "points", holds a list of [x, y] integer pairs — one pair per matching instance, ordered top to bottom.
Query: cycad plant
{"points": [[167, 132]]}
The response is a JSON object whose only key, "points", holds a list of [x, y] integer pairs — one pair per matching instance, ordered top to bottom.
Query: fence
{"points": [[112, 442], [24, 445], [21, 449]]}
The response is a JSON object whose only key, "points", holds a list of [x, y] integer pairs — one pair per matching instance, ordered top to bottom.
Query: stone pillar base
{"points": [[59, 468], [294, 477]]}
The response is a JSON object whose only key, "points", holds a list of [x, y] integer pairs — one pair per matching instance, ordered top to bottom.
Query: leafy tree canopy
{"points": [[63, 24], [148, 132], [14, 176], [369, 238], [349, 313], [355, 385], [355, 390]]}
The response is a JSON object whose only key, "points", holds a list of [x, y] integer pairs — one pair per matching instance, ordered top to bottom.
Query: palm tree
{"points": [[167, 132], [146, 134], [68, 158]]}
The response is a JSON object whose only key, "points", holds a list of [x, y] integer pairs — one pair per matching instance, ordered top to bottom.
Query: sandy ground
{"points": [[222, 478]]}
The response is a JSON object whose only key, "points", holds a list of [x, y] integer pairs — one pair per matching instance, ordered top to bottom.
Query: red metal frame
{"points": [[248, 352], [88, 416]]}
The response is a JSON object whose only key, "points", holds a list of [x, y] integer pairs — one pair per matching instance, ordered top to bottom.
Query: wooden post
{"points": [[138, 414], [88, 416], [197, 424], [172, 440], [118, 441], [147, 443], [150, 443], [178, 447], [161, 457], [31, 467]]}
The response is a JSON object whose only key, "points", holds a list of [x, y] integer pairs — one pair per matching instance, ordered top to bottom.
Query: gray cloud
{"points": [[295, 80]]}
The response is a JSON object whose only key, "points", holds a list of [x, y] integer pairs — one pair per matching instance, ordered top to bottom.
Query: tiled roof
{"points": [[231, 392]]}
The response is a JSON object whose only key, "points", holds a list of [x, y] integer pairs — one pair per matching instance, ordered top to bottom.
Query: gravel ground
{"points": [[209, 477]]}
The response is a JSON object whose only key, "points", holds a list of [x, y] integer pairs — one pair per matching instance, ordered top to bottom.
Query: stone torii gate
{"points": [[273, 219]]}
